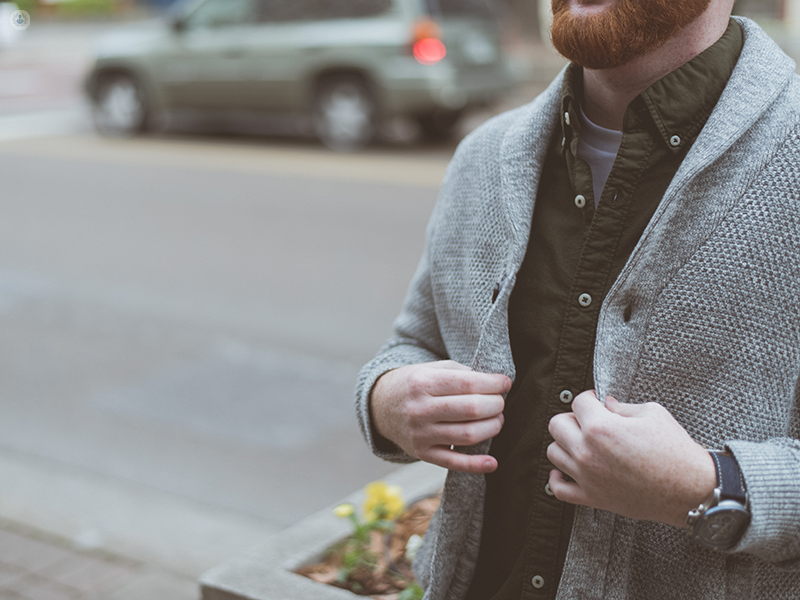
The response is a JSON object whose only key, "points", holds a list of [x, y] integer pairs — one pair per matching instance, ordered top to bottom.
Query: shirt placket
{"points": [[572, 374]]}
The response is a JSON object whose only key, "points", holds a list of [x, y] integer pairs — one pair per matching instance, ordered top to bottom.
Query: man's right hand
{"points": [[427, 408]]}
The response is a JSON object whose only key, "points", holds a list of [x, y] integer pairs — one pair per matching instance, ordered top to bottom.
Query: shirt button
{"points": [[566, 118], [675, 141], [563, 142], [580, 201], [584, 300], [565, 396], [548, 491], [537, 582]]}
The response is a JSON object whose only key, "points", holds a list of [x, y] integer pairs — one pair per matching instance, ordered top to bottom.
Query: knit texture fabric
{"points": [[713, 334]]}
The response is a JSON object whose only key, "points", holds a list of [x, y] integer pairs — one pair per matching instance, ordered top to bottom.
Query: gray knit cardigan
{"points": [[714, 334]]}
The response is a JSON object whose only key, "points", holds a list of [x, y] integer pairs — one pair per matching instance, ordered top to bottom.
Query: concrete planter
{"points": [[266, 573]]}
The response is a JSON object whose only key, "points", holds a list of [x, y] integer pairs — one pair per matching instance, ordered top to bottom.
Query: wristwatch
{"points": [[720, 521]]}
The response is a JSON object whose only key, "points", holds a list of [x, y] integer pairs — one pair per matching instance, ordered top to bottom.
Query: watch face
{"points": [[723, 525]]}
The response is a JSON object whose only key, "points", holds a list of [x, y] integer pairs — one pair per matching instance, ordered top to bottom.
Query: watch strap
{"points": [[729, 478]]}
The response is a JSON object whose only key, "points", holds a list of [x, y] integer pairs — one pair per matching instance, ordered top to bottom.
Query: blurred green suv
{"points": [[336, 67]]}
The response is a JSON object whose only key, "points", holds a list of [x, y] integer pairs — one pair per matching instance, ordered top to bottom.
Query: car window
{"points": [[469, 8], [318, 10], [221, 13]]}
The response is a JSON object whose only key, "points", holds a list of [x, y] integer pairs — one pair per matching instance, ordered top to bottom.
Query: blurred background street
{"points": [[182, 319]]}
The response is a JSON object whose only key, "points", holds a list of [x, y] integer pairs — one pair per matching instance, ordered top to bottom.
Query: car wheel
{"points": [[119, 107], [345, 113], [440, 125]]}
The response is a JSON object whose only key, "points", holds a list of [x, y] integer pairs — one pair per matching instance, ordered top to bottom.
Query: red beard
{"points": [[627, 30]]}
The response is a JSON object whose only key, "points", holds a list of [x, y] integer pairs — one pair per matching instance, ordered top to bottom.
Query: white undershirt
{"points": [[598, 147]]}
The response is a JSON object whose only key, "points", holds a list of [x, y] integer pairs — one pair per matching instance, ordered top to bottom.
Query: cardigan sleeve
{"points": [[771, 471]]}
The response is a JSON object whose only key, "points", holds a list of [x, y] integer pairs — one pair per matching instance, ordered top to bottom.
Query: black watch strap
{"points": [[729, 478]]}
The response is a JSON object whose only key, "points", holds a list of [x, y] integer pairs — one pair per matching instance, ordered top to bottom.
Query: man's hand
{"points": [[425, 409], [631, 459]]}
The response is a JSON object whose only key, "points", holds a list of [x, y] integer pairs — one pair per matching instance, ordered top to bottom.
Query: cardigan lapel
{"points": [[740, 136], [522, 156]]}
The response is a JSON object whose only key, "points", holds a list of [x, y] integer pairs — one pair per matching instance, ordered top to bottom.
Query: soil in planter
{"points": [[392, 574]]}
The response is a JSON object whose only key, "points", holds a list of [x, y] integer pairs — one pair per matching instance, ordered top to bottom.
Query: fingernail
{"points": [[488, 464]]}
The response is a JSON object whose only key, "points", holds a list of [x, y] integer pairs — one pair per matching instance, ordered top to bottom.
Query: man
{"points": [[609, 288]]}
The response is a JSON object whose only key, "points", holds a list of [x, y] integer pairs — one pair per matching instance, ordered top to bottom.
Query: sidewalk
{"points": [[34, 566]]}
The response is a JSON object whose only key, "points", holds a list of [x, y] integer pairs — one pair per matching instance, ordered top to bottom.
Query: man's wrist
{"points": [[376, 406], [702, 479]]}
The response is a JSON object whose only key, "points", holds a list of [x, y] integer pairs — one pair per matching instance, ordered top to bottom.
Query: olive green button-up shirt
{"points": [[574, 255]]}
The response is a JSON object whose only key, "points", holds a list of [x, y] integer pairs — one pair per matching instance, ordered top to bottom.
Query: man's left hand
{"points": [[631, 459]]}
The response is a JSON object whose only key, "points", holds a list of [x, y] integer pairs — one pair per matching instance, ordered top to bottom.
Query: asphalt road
{"points": [[191, 315]]}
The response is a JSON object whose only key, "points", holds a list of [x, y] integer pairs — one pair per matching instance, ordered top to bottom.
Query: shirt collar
{"points": [[679, 103]]}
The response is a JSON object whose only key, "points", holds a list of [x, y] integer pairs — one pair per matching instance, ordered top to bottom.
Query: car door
{"points": [[299, 38], [278, 54], [207, 66]]}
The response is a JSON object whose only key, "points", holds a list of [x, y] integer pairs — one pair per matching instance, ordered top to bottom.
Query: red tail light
{"points": [[428, 47], [429, 51]]}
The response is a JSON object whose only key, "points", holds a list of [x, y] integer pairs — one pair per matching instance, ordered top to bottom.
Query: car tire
{"points": [[119, 106], [345, 113]]}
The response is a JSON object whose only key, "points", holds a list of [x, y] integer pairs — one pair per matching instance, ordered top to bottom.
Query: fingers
{"points": [[449, 364], [453, 382], [586, 406], [425, 409], [459, 409], [624, 410], [627, 410], [565, 429], [465, 434], [562, 460], [468, 463], [566, 491]]}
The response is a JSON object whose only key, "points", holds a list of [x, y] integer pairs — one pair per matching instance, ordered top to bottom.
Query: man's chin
{"points": [[604, 34]]}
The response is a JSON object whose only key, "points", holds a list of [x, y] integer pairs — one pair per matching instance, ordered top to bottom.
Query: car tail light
{"points": [[428, 47]]}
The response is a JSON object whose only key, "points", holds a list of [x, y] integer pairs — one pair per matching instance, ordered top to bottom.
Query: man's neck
{"points": [[607, 92]]}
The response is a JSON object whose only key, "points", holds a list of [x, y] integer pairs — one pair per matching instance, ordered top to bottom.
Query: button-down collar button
{"points": [[566, 118], [675, 141], [563, 142], [580, 200], [584, 300], [565, 396], [548, 491], [537, 582]]}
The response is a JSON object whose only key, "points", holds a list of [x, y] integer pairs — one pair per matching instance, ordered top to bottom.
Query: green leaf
{"points": [[412, 592]]}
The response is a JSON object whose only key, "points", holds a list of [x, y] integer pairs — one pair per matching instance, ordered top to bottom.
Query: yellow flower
{"points": [[383, 501], [344, 510]]}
